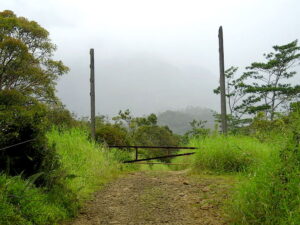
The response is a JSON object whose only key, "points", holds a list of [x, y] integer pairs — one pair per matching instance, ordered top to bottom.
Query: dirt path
{"points": [[158, 198]]}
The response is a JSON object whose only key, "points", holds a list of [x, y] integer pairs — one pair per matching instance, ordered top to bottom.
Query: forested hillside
{"points": [[179, 120]]}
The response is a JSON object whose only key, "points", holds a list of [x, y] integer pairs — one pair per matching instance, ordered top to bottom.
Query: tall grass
{"points": [[228, 153], [88, 165], [84, 168], [268, 192], [271, 194], [21, 203]]}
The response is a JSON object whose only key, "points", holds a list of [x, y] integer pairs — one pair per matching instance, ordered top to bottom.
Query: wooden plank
{"points": [[150, 147], [159, 157]]}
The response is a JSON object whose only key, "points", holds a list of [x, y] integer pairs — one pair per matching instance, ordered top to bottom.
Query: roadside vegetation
{"points": [[262, 147]]}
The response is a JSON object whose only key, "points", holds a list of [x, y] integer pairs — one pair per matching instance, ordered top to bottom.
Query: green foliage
{"points": [[26, 62], [265, 84], [263, 88], [232, 92], [295, 107], [59, 116], [123, 118], [23, 119], [127, 120], [150, 120], [130, 130], [198, 130], [265, 130], [111, 134], [155, 136], [228, 153], [88, 165], [84, 168], [268, 192], [270, 195], [21, 203]]}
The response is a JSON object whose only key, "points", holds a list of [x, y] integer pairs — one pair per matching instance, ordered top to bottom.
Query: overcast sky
{"points": [[153, 55]]}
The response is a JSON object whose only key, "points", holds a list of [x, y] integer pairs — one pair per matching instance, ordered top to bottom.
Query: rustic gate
{"points": [[167, 148]]}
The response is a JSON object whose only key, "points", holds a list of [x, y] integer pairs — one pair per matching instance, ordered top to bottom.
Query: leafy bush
{"points": [[23, 119], [112, 135], [228, 153]]}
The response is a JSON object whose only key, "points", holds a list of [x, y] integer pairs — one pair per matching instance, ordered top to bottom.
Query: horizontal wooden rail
{"points": [[150, 147], [159, 157]]}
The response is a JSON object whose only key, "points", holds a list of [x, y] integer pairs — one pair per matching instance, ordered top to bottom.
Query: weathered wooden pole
{"points": [[222, 82], [92, 93]]}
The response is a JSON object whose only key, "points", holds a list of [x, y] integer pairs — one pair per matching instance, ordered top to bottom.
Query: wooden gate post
{"points": [[222, 82], [92, 93]]}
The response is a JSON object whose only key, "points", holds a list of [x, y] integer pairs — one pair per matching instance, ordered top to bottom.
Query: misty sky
{"points": [[153, 55]]}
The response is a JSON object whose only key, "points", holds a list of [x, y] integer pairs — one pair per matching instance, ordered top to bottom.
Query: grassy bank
{"points": [[88, 166], [84, 168], [267, 191], [271, 193]]}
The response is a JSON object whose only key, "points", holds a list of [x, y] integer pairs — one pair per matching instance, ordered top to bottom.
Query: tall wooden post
{"points": [[222, 82], [92, 93]]}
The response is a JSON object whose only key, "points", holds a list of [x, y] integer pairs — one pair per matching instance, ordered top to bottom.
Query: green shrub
{"points": [[23, 119], [112, 135], [228, 153]]}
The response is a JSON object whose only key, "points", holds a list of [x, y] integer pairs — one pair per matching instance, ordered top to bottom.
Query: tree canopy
{"points": [[26, 62], [264, 87], [268, 89]]}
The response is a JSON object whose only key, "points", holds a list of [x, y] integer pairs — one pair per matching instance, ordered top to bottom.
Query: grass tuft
{"points": [[228, 153]]}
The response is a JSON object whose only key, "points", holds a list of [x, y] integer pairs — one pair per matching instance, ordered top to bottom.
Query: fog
{"points": [[151, 56]]}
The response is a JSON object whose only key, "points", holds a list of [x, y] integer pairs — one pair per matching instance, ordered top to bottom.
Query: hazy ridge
{"points": [[179, 120]]}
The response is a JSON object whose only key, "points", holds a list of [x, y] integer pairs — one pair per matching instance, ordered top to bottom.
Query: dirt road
{"points": [[158, 198]]}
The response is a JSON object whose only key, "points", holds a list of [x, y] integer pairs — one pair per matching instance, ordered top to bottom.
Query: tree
{"points": [[26, 63], [265, 84], [232, 91], [234, 94], [123, 117], [150, 120], [198, 130]]}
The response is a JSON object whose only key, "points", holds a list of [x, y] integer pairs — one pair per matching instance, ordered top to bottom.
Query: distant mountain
{"points": [[179, 121]]}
